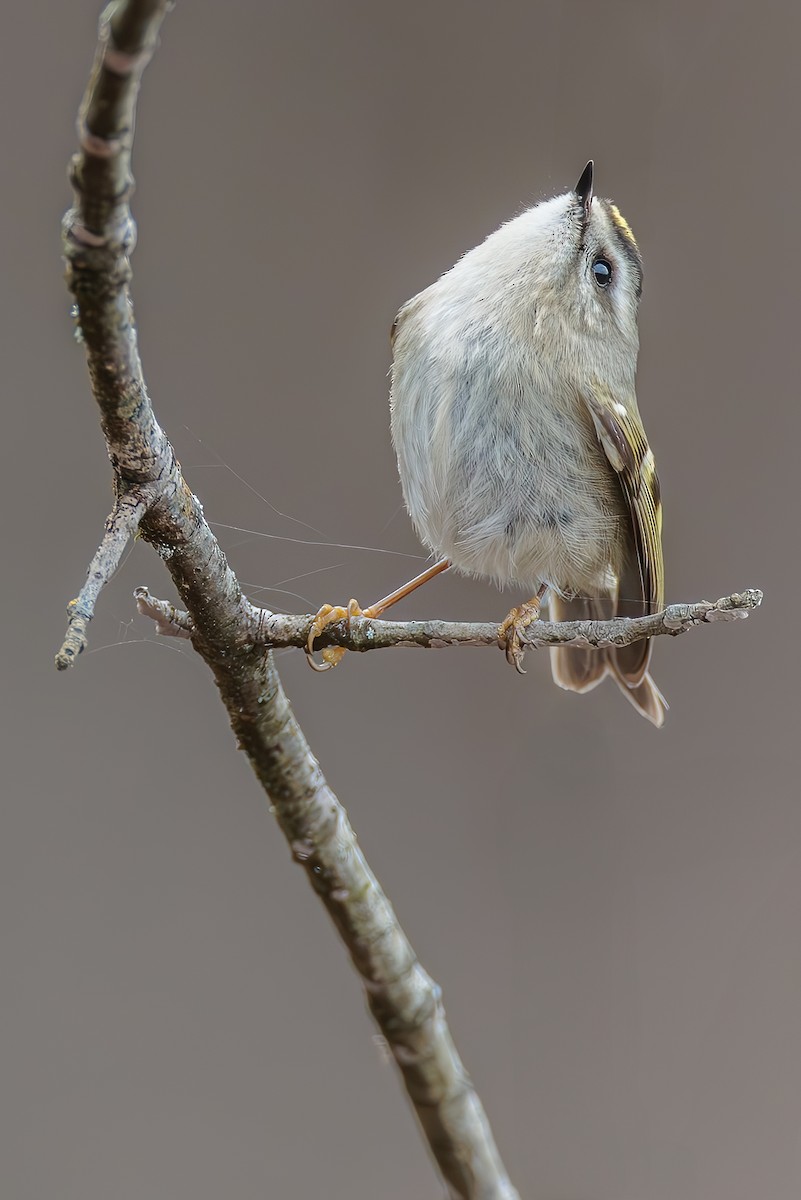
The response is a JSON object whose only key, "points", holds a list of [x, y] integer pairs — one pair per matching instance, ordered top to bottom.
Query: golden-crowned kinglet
{"points": [[521, 451]]}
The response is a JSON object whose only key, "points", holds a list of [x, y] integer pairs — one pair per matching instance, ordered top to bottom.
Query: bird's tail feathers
{"points": [[580, 670]]}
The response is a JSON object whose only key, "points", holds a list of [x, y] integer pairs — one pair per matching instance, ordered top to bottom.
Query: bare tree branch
{"points": [[98, 238], [121, 524], [170, 621], [274, 630]]}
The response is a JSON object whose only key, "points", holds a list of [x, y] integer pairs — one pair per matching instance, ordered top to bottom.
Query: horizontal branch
{"points": [[121, 524], [274, 630]]}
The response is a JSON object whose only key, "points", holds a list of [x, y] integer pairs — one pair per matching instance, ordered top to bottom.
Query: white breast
{"points": [[500, 466]]}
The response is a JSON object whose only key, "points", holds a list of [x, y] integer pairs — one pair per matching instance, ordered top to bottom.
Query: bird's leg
{"points": [[330, 613], [512, 627]]}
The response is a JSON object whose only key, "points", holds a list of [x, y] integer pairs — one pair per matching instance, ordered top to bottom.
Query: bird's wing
{"points": [[622, 437]]}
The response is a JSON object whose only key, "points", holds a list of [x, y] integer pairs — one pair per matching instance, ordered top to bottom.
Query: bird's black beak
{"points": [[584, 187]]}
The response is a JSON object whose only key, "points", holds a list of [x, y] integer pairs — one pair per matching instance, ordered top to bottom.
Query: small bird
{"points": [[521, 451]]}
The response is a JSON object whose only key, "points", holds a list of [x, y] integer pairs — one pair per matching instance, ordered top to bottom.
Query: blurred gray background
{"points": [[612, 911]]}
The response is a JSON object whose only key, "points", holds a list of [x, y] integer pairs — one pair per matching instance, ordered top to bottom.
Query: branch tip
{"points": [[120, 525], [169, 620]]}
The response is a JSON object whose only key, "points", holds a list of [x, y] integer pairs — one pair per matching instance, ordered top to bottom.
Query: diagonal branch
{"points": [[121, 524], [274, 630], [407, 1005]]}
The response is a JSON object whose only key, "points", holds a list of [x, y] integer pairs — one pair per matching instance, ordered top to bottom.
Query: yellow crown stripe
{"points": [[622, 224]]}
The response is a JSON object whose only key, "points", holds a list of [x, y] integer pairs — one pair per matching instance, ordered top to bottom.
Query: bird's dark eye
{"points": [[602, 271]]}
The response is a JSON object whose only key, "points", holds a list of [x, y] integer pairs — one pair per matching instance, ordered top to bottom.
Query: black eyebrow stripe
{"points": [[627, 246]]}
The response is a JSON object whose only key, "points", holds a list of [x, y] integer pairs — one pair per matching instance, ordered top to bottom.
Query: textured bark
{"points": [[151, 492], [275, 630]]}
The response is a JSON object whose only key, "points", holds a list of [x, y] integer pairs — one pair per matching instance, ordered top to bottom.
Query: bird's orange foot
{"points": [[327, 615], [510, 630]]}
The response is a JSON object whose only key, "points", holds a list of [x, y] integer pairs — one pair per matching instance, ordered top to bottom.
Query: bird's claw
{"points": [[328, 615], [511, 629]]}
